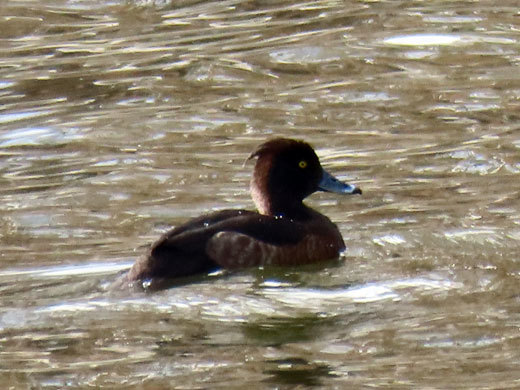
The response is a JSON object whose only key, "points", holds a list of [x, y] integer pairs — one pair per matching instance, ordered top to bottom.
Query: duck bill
{"points": [[329, 183]]}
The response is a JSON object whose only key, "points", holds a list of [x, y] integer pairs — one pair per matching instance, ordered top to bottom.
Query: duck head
{"points": [[285, 173]]}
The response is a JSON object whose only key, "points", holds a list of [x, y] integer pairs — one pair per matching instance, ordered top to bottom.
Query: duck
{"points": [[282, 232]]}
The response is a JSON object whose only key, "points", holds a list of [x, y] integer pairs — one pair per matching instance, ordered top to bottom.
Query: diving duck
{"points": [[283, 232]]}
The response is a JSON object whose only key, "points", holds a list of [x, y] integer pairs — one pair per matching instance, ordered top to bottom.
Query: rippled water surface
{"points": [[119, 120]]}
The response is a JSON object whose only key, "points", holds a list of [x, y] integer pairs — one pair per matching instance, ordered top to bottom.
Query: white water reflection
{"points": [[425, 39], [7, 118], [36, 136], [70, 270], [315, 299]]}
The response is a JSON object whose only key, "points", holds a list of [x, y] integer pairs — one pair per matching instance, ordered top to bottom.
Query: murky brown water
{"points": [[119, 120]]}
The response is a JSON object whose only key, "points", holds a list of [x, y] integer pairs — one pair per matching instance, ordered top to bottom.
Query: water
{"points": [[119, 120]]}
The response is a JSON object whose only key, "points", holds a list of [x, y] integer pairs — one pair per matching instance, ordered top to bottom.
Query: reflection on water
{"points": [[119, 120]]}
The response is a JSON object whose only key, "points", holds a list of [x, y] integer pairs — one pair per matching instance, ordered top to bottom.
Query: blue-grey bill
{"points": [[331, 184]]}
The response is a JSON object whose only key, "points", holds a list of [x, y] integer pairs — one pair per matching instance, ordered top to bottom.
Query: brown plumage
{"points": [[283, 232]]}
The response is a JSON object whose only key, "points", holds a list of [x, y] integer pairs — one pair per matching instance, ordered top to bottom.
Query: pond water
{"points": [[119, 120]]}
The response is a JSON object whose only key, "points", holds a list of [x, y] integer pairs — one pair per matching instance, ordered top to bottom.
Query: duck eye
{"points": [[302, 164]]}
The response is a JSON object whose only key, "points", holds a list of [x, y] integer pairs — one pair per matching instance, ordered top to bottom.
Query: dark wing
{"points": [[205, 221], [276, 231], [237, 242], [183, 250]]}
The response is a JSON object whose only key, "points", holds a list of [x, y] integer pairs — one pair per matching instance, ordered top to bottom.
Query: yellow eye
{"points": [[302, 164]]}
